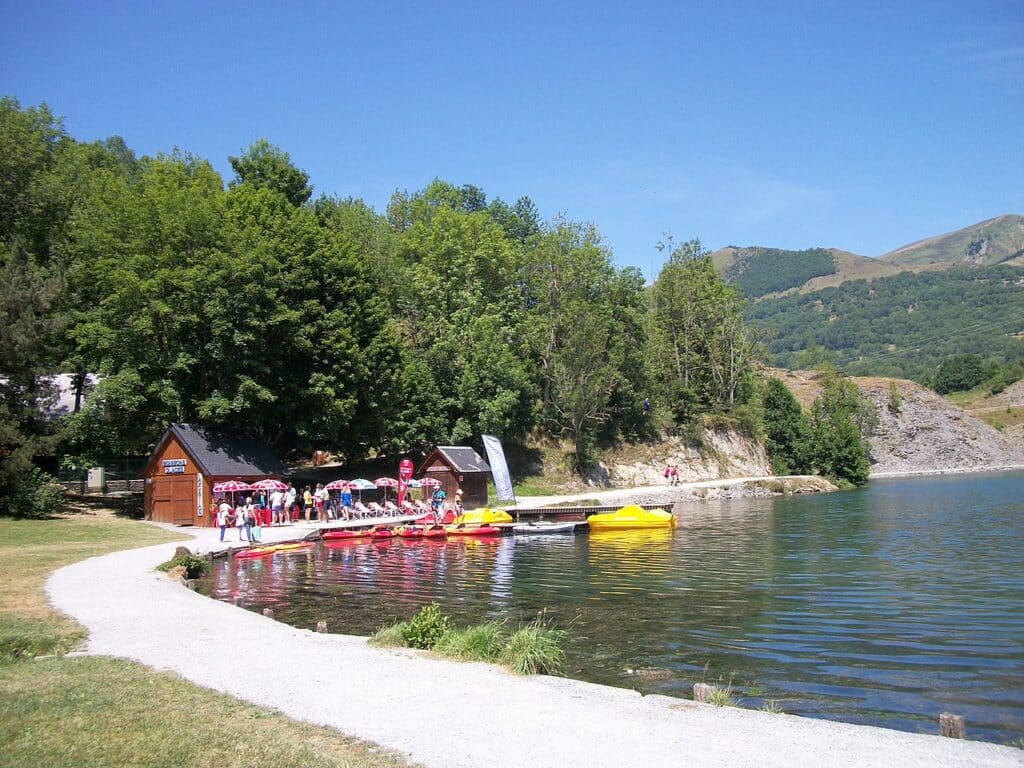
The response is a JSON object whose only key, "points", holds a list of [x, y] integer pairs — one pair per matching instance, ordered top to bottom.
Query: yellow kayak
{"points": [[483, 516], [631, 517]]}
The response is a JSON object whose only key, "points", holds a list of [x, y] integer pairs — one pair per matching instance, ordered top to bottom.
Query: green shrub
{"points": [[35, 495], [194, 565], [427, 627], [390, 635], [483, 642], [535, 649], [721, 696]]}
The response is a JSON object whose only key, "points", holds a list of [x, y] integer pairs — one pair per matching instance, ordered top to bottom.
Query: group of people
{"points": [[284, 507]]}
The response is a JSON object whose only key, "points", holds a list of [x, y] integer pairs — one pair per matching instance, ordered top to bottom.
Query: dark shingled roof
{"points": [[222, 452], [463, 458]]}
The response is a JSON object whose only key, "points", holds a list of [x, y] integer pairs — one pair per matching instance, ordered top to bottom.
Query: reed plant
{"points": [[390, 635], [481, 642], [535, 649], [721, 696]]}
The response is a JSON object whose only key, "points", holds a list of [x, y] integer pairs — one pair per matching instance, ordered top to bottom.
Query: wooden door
{"points": [[174, 499]]}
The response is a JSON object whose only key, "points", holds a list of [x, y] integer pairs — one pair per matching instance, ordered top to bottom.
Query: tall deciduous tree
{"points": [[264, 165]]}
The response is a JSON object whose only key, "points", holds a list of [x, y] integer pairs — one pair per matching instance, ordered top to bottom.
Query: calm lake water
{"points": [[886, 605]]}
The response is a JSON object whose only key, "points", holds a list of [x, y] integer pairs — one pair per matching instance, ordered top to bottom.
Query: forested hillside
{"points": [[760, 271], [318, 321], [905, 325]]}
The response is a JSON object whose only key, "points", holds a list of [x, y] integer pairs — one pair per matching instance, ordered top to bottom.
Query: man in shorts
{"points": [[277, 508]]}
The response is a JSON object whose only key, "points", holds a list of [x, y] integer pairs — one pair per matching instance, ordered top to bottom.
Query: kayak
{"points": [[483, 516], [631, 517], [428, 519], [544, 527], [472, 530], [410, 532], [435, 532], [381, 533], [362, 534], [262, 551]]}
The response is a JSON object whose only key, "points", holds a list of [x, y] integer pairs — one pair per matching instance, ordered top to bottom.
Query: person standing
{"points": [[320, 502], [346, 502], [307, 503], [289, 504], [276, 507], [223, 512], [241, 516]]}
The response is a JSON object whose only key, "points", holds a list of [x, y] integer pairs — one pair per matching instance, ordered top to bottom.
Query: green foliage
{"points": [[264, 166], [758, 271], [903, 326], [699, 344], [958, 374], [895, 404], [840, 419], [788, 436], [32, 494], [194, 565], [426, 627], [390, 635], [481, 642], [535, 649], [721, 696]]}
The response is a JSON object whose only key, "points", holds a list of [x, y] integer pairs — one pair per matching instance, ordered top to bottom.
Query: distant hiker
{"points": [[647, 406], [675, 475]]}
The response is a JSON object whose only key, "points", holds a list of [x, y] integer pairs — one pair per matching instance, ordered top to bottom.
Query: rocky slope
{"points": [[926, 434], [723, 454]]}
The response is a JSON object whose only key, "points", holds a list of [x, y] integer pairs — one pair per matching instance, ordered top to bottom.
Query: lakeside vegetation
{"points": [[532, 649], [100, 711]]}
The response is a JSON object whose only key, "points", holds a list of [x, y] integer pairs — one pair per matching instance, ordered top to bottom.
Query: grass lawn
{"points": [[108, 712]]}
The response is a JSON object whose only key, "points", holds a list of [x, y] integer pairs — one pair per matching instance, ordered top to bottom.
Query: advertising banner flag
{"points": [[405, 469], [499, 469]]}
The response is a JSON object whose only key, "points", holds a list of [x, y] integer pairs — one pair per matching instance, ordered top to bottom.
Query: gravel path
{"points": [[478, 715]]}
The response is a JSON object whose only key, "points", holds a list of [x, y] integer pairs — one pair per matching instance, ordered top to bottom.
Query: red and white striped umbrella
{"points": [[386, 482], [430, 482], [269, 485], [338, 485], [231, 486]]}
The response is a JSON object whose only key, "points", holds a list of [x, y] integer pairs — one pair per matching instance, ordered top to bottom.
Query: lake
{"points": [[886, 605]]}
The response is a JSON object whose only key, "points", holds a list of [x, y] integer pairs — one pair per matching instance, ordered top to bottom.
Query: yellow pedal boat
{"points": [[483, 516], [631, 517]]}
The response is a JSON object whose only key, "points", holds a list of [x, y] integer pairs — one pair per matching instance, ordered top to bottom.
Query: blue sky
{"points": [[860, 126]]}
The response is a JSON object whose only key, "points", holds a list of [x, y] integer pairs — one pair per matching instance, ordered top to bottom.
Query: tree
{"points": [[264, 165], [585, 332], [702, 349], [959, 373], [841, 418], [788, 437]]}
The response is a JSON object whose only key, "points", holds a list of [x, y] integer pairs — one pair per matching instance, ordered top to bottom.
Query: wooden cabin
{"points": [[190, 459], [457, 467]]}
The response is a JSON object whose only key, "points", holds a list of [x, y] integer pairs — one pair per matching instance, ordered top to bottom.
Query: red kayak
{"points": [[475, 530], [411, 532], [435, 532], [381, 533], [347, 534]]}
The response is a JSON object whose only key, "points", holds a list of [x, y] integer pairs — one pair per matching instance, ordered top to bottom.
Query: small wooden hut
{"points": [[190, 459], [458, 466]]}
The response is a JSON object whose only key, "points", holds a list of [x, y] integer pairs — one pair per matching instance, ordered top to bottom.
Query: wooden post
{"points": [[268, 612], [321, 626], [701, 691], [952, 725]]}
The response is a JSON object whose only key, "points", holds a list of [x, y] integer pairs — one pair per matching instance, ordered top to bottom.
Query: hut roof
{"points": [[224, 452], [462, 458]]}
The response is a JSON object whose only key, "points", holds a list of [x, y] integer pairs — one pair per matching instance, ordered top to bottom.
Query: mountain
{"points": [[987, 243], [762, 271]]}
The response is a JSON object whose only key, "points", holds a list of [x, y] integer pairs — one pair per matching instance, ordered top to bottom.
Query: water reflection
{"points": [[882, 606]]}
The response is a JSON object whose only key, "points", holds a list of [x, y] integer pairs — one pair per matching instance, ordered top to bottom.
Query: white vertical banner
{"points": [[499, 469], [199, 495]]}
